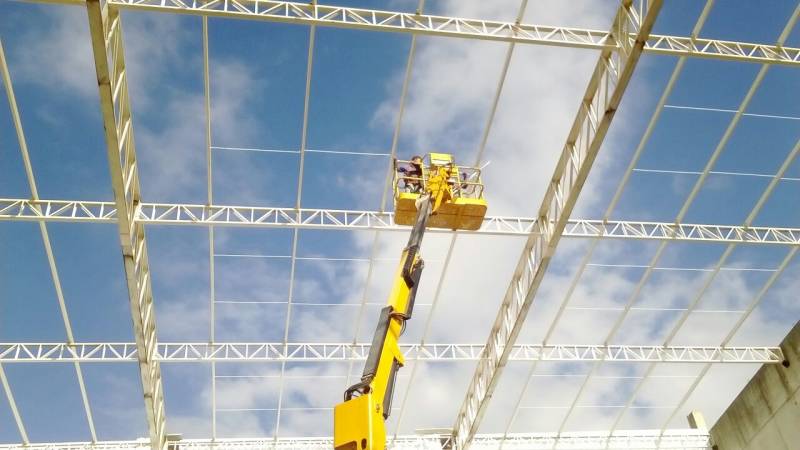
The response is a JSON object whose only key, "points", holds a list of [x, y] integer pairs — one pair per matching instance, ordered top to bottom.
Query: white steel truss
{"points": [[314, 14], [105, 27], [611, 75], [333, 219], [650, 267], [320, 352], [640, 439]]}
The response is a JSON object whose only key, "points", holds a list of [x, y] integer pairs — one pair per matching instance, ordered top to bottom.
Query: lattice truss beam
{"points": [[315, 14], [105, 27], [610, 77], [250, 216], [319, 352], [670, 439]]}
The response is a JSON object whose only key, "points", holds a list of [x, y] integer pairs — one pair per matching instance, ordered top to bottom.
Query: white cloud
{"points": [[58, 55]]}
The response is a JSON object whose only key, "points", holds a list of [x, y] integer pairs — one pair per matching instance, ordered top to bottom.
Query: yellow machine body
{"points": [[444, 198], [465, 209], [358, 423]]}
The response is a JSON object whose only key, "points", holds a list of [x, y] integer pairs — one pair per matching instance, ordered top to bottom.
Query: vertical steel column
{"points": [[107, 46], [603, 95]]}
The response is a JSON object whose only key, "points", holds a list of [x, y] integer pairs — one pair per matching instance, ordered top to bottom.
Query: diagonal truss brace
{"points": [[314, 14], [107, 46], [603, 95], [334, 219], [322, 352]]}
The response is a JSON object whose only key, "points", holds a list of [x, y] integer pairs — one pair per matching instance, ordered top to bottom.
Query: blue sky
{"points": [[258, 75]]}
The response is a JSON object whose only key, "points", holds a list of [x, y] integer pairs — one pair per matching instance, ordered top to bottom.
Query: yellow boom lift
{"points": [[441, 195]]}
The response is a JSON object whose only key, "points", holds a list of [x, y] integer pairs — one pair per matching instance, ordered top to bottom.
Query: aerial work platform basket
{"points": [[463, 210]]}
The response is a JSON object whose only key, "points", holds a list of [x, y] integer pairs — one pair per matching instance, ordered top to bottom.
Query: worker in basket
{"points": [[411, 174]]}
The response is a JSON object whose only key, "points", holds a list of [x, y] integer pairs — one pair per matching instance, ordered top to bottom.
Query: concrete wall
{"points": [[766, 414]]}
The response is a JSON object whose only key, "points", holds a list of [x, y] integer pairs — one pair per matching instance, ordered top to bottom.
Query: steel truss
{"points": [[314, 14], [105, 27], [610, 77], [185, 214], [319, 352], [644, 439]]}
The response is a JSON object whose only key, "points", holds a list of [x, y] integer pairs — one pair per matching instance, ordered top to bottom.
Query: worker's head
{"points": [[416, 160]]}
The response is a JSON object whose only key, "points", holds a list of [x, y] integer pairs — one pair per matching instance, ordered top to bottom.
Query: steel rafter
{"points": [[314, 14], [105, 27], [603, 95], [719, 148], [210, 196], [612, 205], [333, 219], [296, 234], [48, 248], [714, 272], [751, 307], [320, 352], [12, 403], [640, 439]]}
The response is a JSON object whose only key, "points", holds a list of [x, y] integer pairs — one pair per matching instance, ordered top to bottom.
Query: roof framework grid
{"points": [[105, 26], [620, 47], [611, 75], [721, 145], [651, 266]]}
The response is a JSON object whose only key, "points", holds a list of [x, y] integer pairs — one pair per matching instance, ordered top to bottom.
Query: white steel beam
{"points": [[314, 14], [105, 27], [611, 75], [721, 145], [335, 219], [296, 234], [48, 248], [212, 297], [564, 306], [319, 352], [12, 403], [639, 439]]}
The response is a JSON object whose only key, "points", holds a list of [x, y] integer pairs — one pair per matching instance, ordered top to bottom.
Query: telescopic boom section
{"points": [[358, 422]]}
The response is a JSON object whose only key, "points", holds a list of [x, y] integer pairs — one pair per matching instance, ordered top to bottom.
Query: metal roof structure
{"points": [[619, 50]]}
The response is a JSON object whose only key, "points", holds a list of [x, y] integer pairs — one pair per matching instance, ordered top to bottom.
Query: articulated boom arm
{"points": [[358, 422]]}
